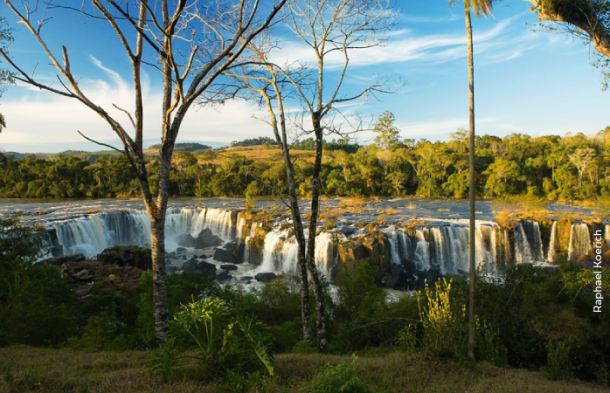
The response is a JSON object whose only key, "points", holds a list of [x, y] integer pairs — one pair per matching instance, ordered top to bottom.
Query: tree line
{"points": [[564, 168]]}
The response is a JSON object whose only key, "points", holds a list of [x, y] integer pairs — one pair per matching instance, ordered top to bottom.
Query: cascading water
{"points": [[92, 234], [580, 240], [528, 242], [552, 244]]}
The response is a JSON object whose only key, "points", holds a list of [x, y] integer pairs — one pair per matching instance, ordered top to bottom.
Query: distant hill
{"points": [[189, 147], [92, 156]]}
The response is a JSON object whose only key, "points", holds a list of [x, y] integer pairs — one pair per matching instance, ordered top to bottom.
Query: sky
{"points": [[527, 81]]}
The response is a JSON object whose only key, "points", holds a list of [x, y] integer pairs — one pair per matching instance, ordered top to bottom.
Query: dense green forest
{"points": [[569, 167]]}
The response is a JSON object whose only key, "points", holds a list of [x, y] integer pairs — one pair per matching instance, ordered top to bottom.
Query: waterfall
{"points": [[90, 235], [392, 235], [580, 241], [528, 242], [552, 248], [422, 251]]}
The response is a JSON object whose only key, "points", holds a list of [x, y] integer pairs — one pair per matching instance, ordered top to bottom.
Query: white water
{"points": [[92, 234], [580, 241], [528, 242], [552, 243], [443, 244]]}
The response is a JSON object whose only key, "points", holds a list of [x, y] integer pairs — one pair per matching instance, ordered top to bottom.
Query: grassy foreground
{"points": [[25, 369]]}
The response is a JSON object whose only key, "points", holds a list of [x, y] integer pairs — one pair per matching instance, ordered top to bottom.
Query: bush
{"points": [[36, 304], [444, 324], [225, 343], [558, 366], [341, 378]]}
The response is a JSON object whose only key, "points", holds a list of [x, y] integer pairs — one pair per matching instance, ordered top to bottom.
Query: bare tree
{"points": [[331, 30], [193, 44], [6, 77], [581, 160]]}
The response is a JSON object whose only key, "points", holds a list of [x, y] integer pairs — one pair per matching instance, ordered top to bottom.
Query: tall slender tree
{"points": [[480, 8], [325, 27], [191, 44], [6, 77]]}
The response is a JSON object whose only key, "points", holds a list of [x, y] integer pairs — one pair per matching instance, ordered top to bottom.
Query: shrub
{"points": [[444, 326], [225, 343], [558, 366], [341, 378]]}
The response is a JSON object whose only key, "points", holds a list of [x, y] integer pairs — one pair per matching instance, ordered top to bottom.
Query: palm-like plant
{"points": [[480, 8]]}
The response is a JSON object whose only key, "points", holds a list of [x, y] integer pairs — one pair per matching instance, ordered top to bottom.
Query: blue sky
{"points": [[535, 83]]}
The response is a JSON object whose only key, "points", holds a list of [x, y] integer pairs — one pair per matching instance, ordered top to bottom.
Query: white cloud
{"points": [[40, 117]]}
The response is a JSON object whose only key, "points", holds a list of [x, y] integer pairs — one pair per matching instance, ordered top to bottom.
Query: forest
{"points": [[572, 167]]}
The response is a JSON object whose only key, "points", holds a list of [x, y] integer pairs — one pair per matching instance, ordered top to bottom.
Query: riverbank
{"points": [[27, 369]]}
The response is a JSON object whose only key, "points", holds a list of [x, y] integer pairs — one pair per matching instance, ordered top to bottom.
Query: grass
{"points": [[26, 369]]}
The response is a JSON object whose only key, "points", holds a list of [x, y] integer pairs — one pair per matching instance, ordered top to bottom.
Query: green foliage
{"points": [[387, 135], [549, 167], [36, 304], [443, 322], [407, 340], [225, 342], [488, 345], [305, 347], [164, 360], [558, 366], [341, 378]]}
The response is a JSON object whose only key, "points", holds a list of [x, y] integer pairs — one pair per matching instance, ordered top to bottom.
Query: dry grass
{"points": [[25, 369]]}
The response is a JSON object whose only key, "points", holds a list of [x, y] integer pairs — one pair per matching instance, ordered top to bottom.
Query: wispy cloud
{"points": [[431, 48]]}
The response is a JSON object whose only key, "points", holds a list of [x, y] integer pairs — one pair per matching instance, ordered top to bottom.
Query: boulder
{"points": [[204, 239], [237, 248], [180, 250], [222, 255], [127, 256], [191, 264], [228, 267], [171, 269], [206, 269], [224, 275], [265, 277], [245, 279]]}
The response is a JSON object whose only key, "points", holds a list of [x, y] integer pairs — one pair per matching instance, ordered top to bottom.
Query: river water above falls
{"points": [[414, 235]]}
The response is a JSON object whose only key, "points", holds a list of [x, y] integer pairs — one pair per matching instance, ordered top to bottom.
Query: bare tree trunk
{"points": [[300, 237], [311, 244], [472, 267], [161, 312]]}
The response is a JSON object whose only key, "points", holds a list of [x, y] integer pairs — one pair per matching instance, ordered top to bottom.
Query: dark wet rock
{"points": [[347, 231], [204, 239], [237, 248], [180, 250], [222, 255], [127, 256], [183, 256], [57, 261], [191, 264], [409, 266], [228, 267], [171, 269], [206, 269], [224, 275], [433, 276], [265, 277], [245, 279], [396, 279], [412, 284]]}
